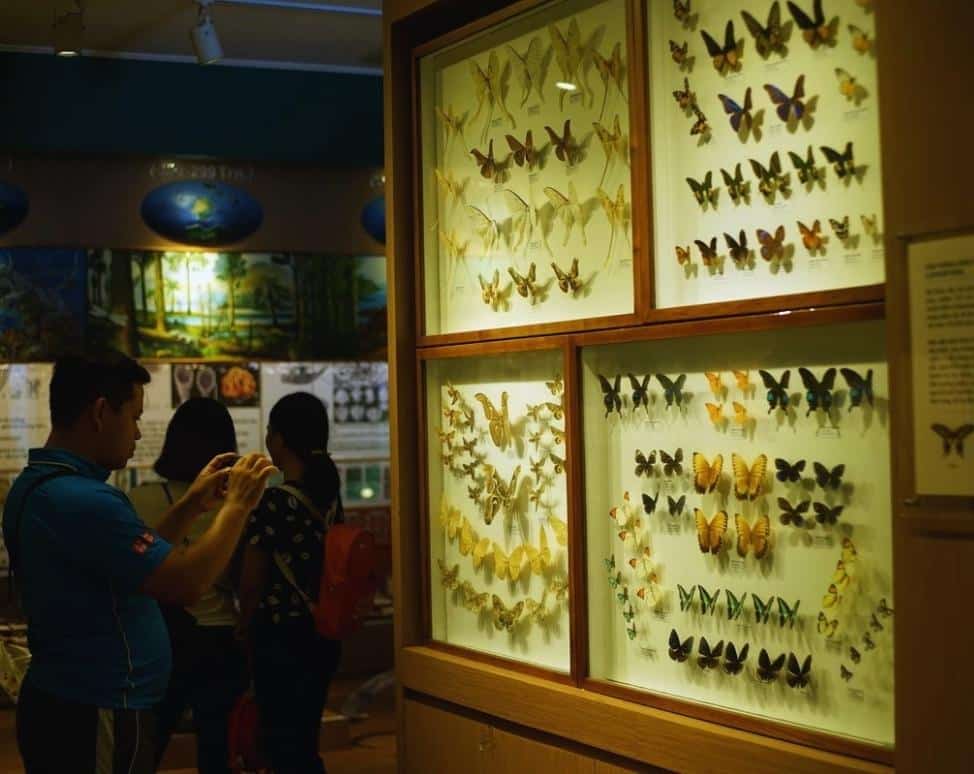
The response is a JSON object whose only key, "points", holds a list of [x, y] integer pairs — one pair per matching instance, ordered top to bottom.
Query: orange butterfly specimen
{"points": [[815, 31], [860, 40], [685, 98], [566, 148], [524, 152], [489, 169], [812, 237], [772, 245], [682, 255], [743, 381], [716, 385], [716, 412], [740, 414], [706, 475], [748, 481], [710, 534], [753, 536]]}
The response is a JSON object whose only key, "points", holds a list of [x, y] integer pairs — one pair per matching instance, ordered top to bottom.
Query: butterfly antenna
{"points": [[605, 99]]}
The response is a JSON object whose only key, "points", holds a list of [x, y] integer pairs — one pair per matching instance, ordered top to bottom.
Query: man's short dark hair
{"points": [[80, 380]]}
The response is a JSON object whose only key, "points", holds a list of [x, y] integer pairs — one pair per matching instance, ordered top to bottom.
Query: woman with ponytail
{"points": [[282, 566]]}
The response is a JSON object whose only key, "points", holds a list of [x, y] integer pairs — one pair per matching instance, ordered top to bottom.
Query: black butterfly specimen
{"points": [[682, 12], [815, 31], [769, 37], [725, 57], [685, 98], [786, 106], [740, 113], [700, 126], [566, 149], [843, 162], [808, 173], [770, 178], [737, 188], [704, 191], [840, 227], [738, 249], [708, 254], [860, 388], [672, 389], [818, 392], [640, 393], [610, 394], [777, 394], [952, 438], [645, 464], [672, 464], [787, 471], [828, 479], [649, 503], [676, 506], [793, 514], [826, 515], [883, 608], [875, 624], [867, 640], [680, 651], [854, 655], [709, 657], [734, 660], [768, 669], [844, 673], [799, 676]]}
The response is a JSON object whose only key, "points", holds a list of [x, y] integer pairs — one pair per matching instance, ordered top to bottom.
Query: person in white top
{"points": [[209, 667]]}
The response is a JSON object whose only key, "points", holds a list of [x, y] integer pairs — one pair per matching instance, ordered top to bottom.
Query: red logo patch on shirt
{"points": [[148, 537], [140, 546]]}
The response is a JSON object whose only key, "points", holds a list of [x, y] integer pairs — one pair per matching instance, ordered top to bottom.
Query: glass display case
{"points": [[765, 149], [525, 171], [498, 505], [738, 525]]}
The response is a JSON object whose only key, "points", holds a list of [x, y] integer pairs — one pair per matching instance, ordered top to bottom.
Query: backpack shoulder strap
{"points": [[302, 498]]}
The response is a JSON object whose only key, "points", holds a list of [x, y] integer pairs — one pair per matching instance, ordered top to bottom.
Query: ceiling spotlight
{"points": [[69, 31], [206, 43]]}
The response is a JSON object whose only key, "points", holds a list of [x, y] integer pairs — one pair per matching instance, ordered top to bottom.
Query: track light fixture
{"points": [[69, 31], [206, 42]]}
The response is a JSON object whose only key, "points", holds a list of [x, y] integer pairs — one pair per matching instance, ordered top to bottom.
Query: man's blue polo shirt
{"points": [[84, 555]]}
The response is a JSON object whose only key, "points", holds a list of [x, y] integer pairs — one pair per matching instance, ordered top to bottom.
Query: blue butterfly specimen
{"points": [[785, 105], [740, 115], [672, 388], [859, 388], [818, 392], [777, 394], [686, 597], [708, 602], [735, 605], [761, 609]]}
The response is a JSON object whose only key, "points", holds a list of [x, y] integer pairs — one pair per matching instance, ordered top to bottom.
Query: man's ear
{"points": [[98, 409]]}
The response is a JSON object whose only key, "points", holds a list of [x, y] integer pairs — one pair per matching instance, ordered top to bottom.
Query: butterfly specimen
{"points": [[682, 11], [814, 30], [769, 37], [860, 40], [679, 53], [569, 54], [725, 57], [611, 69], [527, 70], [848, 87], [488, 88], [685, 98], [786, 106], [740, 114], [452, 123], [700, 126], [613, 144], [566, 149], [524, 152], [842, 162], [807, 172], [770, 178], [452, 188], [737, 188], [704, 191], [568, 209], [616, 212], [524, 218], [869, 225], [486, 227], [840, 227], [812, 237], [772, 245], [738, 249], [456, 251], [682, 255], [568, 282], [525, 283], [490, 291], [714, 380], [743, 380], [556, 386], [860, 388], [672, 390], [640, 393], [818, 393], [777, 395], [611, 398], [716, 413], [740, 414], [498, 422], [953, 439], [557, 462], [672, 464], [645, 465], [537, 466], [787, 471], [706, 475], [828, 479], [748, 481], [498, 494], [649, 503], [676, 506], [793, 514], [826, 515], [450, 519], [560, 530], [710, 534], [753, 536], [480, 552], [849, 553], [539, 559], [510, 566], [840, 577], [449, 579], [615, 580], [832, 596], [686, 597], [708, 601], [735, 605], [762, 609], [884, 609], [786, 613], [629, 614], [506, 617], [874, 623], [825, 626], [631, 631], [867, 641], [679, 651], [855, 655], [708, 657], [734, 660], [767, 669], [844, 673], [798, 676]]}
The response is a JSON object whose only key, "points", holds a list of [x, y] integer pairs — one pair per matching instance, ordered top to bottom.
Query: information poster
{"points": [[941, 274], [24, 412], [156, 412]]}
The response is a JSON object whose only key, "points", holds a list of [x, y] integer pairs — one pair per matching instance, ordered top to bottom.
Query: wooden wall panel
{"points": [[440, 741]]}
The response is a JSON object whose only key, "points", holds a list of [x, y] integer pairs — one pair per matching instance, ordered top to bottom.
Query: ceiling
{"points": [[251, 36]]}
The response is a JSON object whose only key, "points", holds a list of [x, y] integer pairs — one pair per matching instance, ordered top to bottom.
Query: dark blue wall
{"points": [[124, 106]]}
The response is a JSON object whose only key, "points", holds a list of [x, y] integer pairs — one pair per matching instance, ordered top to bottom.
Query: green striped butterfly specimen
{"points": [[686, 597], [708, 602], [735, 605], [761, 609], [787, 614]]}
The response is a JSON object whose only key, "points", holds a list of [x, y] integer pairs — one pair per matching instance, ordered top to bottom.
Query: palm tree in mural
{"points": [[231, 268], [271, 293]]}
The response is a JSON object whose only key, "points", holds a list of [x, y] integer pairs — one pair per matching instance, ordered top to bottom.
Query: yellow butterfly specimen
{"points": [[860, 39], [569, 54], [527, 69], [612, 69], [488, 87], [848, 87], [452, 124], [613, 145], [452, 188], [568, 209], [617, 213], [524, 218], [485, 226], [870, 226], [456, 251], [683, 255], [568, 282], [525, 284], [743, 381], [716, 383], [556, 386], [453, 393], [557, 411], [716, 413], [740, 414], [498, 421], [558, 435], [447, 437], [558, 462], [706, 475], [748, 482], [450, 519], [560, 529], [710, 534], [753, 536], [468, 538], [480, 552], [849, 553], [539, 558], [509, 566], [840, 577], [449, 579], [559, 588], [651, 592], [833, 596], [471, 599], [537, 610], [505, 617], [825, 626]]}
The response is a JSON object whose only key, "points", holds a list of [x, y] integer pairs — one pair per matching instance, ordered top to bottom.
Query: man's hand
{"points": [[246, 481], [209, 488]]}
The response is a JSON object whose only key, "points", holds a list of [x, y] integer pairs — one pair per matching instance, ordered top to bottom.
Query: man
{"points": [[90, 572]]}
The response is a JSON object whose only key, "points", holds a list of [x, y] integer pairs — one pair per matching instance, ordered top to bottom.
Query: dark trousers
{"points": [[293, 668], [209, 673], [55, 736]]}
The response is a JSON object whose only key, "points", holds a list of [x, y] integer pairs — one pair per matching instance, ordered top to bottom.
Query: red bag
{"points": [[348, 576], [243, 738]]}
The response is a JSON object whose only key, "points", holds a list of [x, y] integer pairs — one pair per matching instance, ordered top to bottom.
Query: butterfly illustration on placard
{"points": [[815, 30], [768, 37], [861, 41], [679, 53], [569, 54], [727, 56], [528, 69], [611, 70], [488, 87], [685, 98], [786, 106], [740, 113], [452, 124], [613, 144], [566, 149], [524, 152], [843, 162], [808, 173], [771, 179], [737, 187], [703, 191], [568, 209], [617, 213], [840, 228], [812, 236], [738, 250], [708, 255], [568, 282], [525, 283], [860, 387], [672, 389], [640, 391], [818, 392], [777, 395], [611, 398], [953, 438], [645, 464], [787, 471], [706, 475], [748, 481], [649, 503], [676, 506], [793, 514], [710, 533], [753, 536], [735, 604], [762, 609], [787, 613], [679, 651], [709, 657], [734, 660], [767, 669], [798, 676]]}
